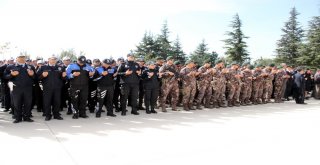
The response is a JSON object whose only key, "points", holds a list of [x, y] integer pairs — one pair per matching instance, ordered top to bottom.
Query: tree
{"points": [[291, 40], [163, 46], [146, 47], [236, 47], [177, 51], [310, 51], [69, 53], [202, 54], [264, 61]]}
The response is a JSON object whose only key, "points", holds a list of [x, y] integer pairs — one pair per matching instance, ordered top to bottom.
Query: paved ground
{"points": [[272, 134]]}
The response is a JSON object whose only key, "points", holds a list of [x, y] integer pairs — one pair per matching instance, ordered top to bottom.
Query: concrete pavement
{"points": [[259, 135]]}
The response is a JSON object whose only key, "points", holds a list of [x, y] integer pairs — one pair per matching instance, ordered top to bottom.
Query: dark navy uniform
{"points": [[52, 85], [129, 85], [79, 86], [151, 86], [105, 89], [21, 90]]}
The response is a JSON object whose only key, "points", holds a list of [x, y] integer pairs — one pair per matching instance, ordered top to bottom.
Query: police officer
{"points": [[141, 63], [129, 73], [79, 74], [21, 76], [51, 76], [151, 85], [299, 86], [105, 87], [66, 88], [5, 91], [116, 95], [92, 97]]}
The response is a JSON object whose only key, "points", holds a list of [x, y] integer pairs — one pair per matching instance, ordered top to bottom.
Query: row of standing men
{"points": [[94, 84]]}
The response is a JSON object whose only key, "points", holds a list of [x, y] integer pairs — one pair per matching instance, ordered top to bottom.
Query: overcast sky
{"points": [[104, 28]]}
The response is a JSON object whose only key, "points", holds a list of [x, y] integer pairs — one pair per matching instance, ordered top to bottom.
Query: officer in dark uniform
{"points": [[141, 63], [129, 73], [79, 74], [21, 76], [51, 76], [151, 86], [299, 86], [105, 87], [38, 89], [5, 91], [116, 95], [65, 96], [92, 97]]}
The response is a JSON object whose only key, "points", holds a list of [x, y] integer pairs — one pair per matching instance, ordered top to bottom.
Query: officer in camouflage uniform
{"points": [[188, 75], [170, 78], [204, 84], [218, 84], [233, 84], [278, 84], [257, 85], [246, 87], [267, 91]]}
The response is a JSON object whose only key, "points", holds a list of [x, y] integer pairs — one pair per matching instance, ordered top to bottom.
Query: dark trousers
{"points": [[133, 91], [141, 94], [298, 95], [65, 96], [116, 96], [79, 97], [92, 97], [105, 98], [150, 98], [6, 99], [51, 101], [22, 102]]}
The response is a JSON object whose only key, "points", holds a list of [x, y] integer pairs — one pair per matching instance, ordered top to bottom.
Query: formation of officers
{"points": [[85, 84]]}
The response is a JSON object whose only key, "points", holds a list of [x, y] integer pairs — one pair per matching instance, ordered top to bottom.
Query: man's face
{"points": [[130, 58], [21, 60], [52, 61], [66, 62], [170, 62], [80, 63], [96, 63], [141, 63], [105, 65], [152, 66]]}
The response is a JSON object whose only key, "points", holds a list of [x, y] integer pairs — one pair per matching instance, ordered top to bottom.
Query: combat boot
{"points": [[230, 103], [216, 104], [222, 104], [207, 105], [199, 106], [163, 107], [186, 107], [191, 107], [174, 108], [148, 110]]}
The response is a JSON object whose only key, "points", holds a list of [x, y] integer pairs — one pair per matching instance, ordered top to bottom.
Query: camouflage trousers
{"points": [[171, 88], [246, 89], [257, 90], [267, 90], [189, 91], [205, 91], [234, 91], [278, 91]]}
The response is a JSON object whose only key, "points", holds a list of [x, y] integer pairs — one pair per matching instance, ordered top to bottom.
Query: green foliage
{"points": [[291, 40], [236, 47], [177, 51], [310, 51], [70, 53], [202, 54], [264, 61]]}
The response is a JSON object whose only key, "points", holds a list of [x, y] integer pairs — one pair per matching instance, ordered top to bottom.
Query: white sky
{"points": [[104, 28]]}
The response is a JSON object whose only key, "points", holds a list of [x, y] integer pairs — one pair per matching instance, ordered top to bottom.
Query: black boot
{"points": [[199, 106], [191, 107], [148, 110], [152, 110]]}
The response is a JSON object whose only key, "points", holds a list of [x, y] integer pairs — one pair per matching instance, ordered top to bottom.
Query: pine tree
{"points": [[290, 42], [163, 46], [146, 47], [236, 47], [177, 51], [310, 51], [201, 53]]}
